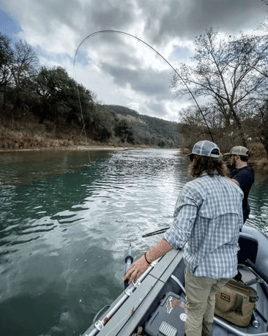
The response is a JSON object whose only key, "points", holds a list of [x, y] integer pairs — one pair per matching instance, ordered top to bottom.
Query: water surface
{"points": [[66, 220]]}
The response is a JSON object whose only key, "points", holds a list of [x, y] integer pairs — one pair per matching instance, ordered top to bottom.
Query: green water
{"points": [[66, 220]]}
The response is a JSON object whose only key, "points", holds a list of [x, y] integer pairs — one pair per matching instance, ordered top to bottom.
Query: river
{"points": [[66, 221]]}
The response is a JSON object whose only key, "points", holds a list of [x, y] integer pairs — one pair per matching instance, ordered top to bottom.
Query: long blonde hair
{"points": [[207, 164]]}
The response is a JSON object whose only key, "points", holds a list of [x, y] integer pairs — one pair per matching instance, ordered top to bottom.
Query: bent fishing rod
{"points": [[109, 31]]}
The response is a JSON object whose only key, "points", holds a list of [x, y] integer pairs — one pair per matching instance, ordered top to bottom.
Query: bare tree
{"points": [[6, 59], [24, 71], [228, 72]]}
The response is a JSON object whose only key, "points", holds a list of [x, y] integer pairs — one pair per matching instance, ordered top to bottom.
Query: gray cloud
{"points": [[111, 14], [186, 19], [118, 65], [149, 82], [158, 110]]}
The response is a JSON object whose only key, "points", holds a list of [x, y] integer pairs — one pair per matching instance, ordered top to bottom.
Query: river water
{"points": [[66, 221]]}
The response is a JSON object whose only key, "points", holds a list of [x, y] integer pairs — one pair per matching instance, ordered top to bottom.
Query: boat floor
{"points": [[140, 307], [224, 328]]}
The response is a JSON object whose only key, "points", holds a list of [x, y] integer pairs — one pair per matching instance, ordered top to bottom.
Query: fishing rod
{"points": [[109, 31], [155, 232]]}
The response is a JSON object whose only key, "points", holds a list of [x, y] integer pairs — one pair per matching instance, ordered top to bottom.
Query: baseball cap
{"points": [[205, 148], [238, 150]]}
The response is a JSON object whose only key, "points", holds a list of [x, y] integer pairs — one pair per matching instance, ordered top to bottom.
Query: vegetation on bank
{"points": [[27, 132]]}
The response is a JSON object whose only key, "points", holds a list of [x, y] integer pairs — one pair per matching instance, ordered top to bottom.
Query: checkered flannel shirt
{"points": [[207, 219]]}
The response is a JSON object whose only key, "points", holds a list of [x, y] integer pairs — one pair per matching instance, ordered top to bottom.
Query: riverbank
{"points": [[27, 134], [77, 148]]}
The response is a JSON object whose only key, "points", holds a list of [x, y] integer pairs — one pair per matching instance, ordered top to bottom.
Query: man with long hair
{"points": [[207, 219]]}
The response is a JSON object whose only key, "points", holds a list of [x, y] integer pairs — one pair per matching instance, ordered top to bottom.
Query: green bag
{"points": [[236, 302]]}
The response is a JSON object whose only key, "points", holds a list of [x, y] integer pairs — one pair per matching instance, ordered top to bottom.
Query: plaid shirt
{"points": [[207, 219]]}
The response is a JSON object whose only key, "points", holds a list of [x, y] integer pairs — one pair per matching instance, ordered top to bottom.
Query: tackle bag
{"points": [[235, 303]]}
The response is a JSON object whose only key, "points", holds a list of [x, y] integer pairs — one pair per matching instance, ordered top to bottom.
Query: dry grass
{"points": [[28, 133], [10, 139]]}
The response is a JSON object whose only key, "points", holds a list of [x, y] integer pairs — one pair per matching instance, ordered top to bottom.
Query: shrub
{"points": [[257, 150]]}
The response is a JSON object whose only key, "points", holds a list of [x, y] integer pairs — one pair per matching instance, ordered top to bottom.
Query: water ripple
{"points": [[66, 225]]}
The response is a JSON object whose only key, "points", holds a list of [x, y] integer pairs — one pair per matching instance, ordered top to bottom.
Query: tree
{"points": [[6, 59], [25, 61], [23, 72], [228, 72], [62, 99], [102, 123], [262, 125], [194, 129], [124, 131]]}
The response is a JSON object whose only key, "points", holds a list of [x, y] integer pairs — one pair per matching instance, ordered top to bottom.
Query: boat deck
{"points": [[142, 305]]}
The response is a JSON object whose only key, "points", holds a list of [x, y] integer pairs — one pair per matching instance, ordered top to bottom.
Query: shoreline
{"points": [[81, 148], [257, 163]]}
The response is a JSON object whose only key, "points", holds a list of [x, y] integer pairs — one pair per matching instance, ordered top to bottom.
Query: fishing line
{"points": [[111, 31], [81, 111], [82, 116]]}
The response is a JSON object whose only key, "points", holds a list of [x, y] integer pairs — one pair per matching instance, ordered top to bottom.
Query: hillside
{"points": [[112, 126], [149, 130]]}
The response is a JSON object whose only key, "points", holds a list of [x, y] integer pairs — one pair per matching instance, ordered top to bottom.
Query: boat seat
{"points": [[248, 248]]}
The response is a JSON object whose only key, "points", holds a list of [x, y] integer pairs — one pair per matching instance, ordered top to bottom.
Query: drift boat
{"points": [[155, 304]]}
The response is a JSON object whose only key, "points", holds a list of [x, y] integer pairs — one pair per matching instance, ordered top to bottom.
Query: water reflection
{"points": [[19, 168], [258, 201], [65, 226]]}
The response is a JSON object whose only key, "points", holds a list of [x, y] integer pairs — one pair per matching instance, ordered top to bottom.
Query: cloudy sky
{"points": [[118, 68]]}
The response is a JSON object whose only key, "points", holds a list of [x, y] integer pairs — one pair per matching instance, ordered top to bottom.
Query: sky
{"points": [[129, 68]]}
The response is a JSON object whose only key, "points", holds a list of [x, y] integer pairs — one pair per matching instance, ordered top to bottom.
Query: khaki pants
{"points": [[200, 304]]}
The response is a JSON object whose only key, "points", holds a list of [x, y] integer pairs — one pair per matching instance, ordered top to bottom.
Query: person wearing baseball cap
{"points": [[205, 148], [238, 150], [241, 174], [207, 219]]}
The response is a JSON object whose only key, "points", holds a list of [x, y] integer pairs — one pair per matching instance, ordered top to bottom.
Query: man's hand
{"points": [[236, 182], [141, 265], [136, 269]]}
